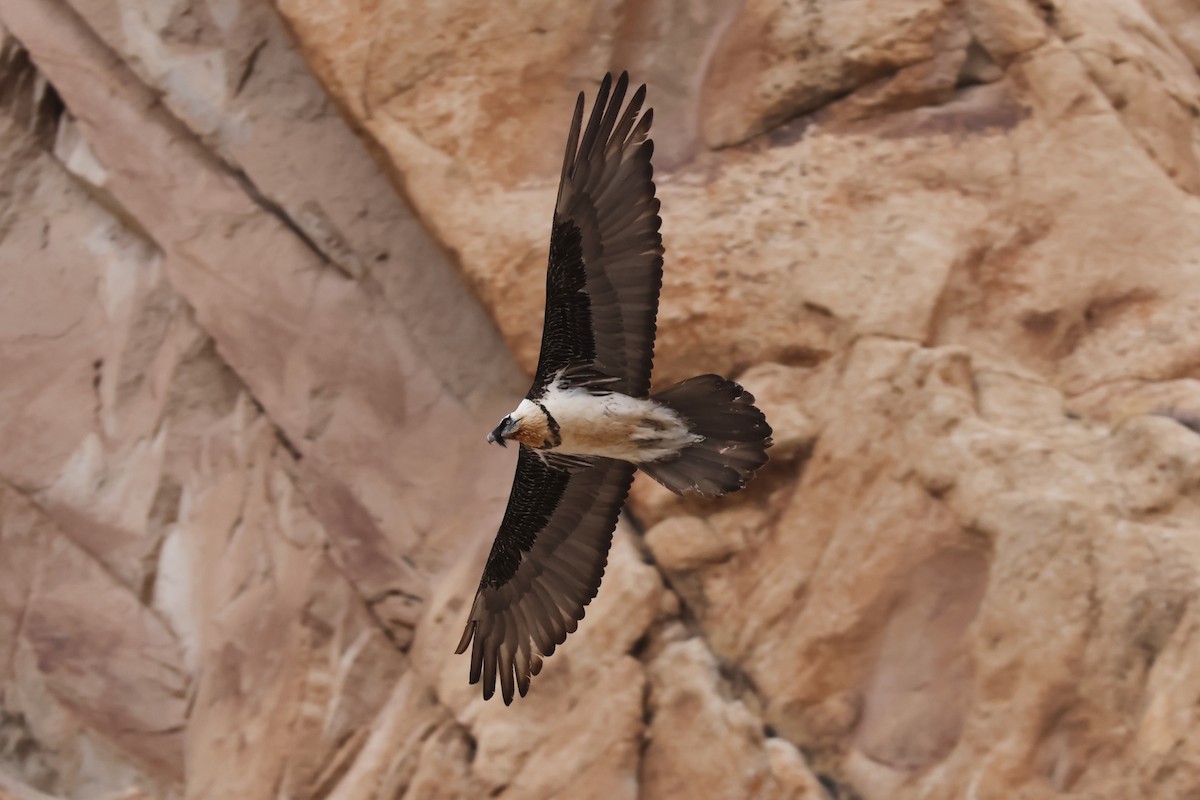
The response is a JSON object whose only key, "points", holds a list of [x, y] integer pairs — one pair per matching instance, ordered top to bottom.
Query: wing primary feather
{"points": [[614, 108], [593, 126], [643, 127], [620, 136], [572, 145], [648, 147], [468, 634], [506, 649], [493, 658], [477, 660], [522, 665], [489, 668], [506, 685]]}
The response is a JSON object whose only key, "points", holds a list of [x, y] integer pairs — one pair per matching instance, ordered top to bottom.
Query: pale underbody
{"points": [[612, 425]]}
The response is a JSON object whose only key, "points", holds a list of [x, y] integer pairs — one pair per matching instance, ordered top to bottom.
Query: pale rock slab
{"points": [[703, 744]]}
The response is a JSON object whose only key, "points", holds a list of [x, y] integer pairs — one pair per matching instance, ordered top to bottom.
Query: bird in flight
{"points": [[589, 421]]}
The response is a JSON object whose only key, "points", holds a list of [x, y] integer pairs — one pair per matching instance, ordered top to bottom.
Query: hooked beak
{"points": [[497, 436]]}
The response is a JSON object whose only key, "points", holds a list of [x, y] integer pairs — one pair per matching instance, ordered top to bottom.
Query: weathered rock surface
{"points": [[952, 248]]}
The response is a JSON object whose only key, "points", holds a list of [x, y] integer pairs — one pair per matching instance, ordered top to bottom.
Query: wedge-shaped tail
{"points": [[736, 438]]}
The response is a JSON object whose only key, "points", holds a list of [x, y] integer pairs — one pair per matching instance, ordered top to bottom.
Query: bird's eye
{"points": [[506, 421]]}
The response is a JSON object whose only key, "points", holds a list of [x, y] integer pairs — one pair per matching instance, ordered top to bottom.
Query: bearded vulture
{"points": [[589, 421]]}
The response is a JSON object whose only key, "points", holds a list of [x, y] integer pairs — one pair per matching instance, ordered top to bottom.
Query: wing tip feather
{"points": [[468, 635]]}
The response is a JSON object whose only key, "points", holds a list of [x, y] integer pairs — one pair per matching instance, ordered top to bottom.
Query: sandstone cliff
{"points": [[272, 272]]}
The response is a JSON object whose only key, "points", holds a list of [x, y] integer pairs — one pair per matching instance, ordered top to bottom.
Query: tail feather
{"points": [[734, 444]]}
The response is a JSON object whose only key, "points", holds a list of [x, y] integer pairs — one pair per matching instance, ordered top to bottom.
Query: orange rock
{"points": [[247, 370]]}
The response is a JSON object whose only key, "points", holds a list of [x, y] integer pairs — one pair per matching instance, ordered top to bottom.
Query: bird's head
{"points": [[528, 425], [505, 430]]}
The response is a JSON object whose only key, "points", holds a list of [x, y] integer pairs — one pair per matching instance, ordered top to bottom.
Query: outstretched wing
{"points": [[605, 267], [545, 565]]}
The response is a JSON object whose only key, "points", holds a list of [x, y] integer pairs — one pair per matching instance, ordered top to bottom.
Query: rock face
{"points": [[953, 249]]}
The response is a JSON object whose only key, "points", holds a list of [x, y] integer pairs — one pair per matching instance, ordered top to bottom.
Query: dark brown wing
{"points": [[605, 267], [545, 565]]}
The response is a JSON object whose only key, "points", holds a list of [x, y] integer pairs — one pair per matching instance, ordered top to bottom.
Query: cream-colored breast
{"points": [[615, 425]]}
